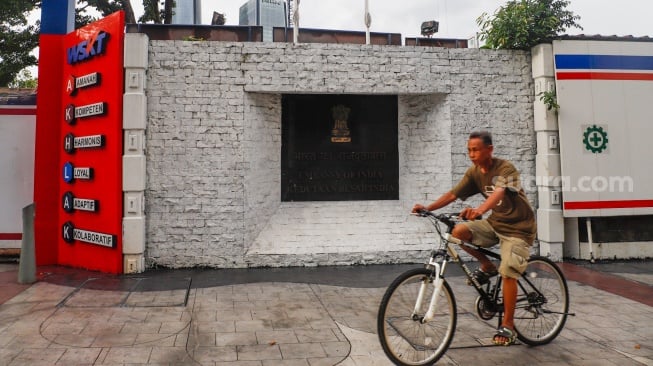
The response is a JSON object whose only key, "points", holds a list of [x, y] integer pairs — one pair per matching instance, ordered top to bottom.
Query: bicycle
{"points": [[417, 315]]}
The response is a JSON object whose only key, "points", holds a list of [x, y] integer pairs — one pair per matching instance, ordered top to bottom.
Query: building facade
{"points": [[187, 12], [266, 13], [215, 132], [215, 167]]}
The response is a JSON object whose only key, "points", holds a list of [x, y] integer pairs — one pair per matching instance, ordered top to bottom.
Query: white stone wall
{"points": [[214, 147], [262, 149]]}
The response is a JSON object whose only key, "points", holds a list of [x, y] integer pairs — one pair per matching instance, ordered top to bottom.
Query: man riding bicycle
{"points": [[511, 224]]}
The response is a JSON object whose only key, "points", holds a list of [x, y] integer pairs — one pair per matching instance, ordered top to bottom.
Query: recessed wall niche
{"points": [[339, 147]]}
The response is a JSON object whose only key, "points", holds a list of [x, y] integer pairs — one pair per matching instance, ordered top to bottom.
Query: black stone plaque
{"points": [[339, 148]]}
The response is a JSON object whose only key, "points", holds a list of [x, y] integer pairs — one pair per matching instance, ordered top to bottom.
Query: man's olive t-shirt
{"points": [[513, 215]]}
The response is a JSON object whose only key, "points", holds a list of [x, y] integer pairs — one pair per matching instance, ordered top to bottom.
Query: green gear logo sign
{"points": [[595, 139]]}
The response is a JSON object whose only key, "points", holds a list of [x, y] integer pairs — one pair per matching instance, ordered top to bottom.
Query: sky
{"points": [[457, 18]]}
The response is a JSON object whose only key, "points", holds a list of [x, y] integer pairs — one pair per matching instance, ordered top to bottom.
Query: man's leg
{"points": [[462, 232], [514, 259], [509, 303]]}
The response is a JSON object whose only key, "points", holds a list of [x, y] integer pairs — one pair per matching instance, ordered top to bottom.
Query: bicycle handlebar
{"points": [[449, 219]]}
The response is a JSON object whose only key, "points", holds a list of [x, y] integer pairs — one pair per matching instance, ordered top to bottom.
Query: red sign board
{"points": [[90, 120]]}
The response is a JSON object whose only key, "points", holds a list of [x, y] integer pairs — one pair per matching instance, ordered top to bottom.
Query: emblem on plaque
{"points": [[340, 131], [595, 139]]}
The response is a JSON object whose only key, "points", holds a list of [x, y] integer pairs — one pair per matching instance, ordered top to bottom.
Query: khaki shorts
{"points": [[514, 251]]}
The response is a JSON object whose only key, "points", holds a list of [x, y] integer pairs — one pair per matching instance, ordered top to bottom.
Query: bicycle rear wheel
{"points": [[542, 302], [404, 338]]}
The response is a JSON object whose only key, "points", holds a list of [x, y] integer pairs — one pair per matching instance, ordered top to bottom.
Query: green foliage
{"points": [[103, 7], [152, 13], [522, 24], [17, 38], [193, 38], [24, 80], [550, 100]]}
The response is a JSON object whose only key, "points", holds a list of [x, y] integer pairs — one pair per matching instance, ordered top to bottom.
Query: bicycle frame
{"points": [[437, 263], [438, 267], [437, 284]]}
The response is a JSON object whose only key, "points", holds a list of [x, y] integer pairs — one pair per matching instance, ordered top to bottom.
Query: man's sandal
{"points": [[482, 277], [507, 333]]}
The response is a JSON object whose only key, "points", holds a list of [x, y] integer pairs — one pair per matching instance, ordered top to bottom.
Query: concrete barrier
{"points": [[27, 264]]}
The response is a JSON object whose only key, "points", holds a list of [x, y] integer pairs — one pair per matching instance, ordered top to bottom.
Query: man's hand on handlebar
{"points": [[418, 208], [470, 213]]}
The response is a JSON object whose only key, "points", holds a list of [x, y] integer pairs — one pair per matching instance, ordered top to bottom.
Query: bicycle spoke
{"points": [[543, 302], [405, 339]]}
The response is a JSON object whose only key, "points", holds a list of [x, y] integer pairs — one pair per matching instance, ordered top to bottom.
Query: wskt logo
{"points": [[88, 48]]}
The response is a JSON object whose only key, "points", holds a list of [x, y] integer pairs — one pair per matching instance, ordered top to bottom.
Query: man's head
{"points": [[479, 148]]}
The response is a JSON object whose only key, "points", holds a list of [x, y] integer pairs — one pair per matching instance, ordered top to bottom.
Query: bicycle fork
{"points": [[437, 284]]}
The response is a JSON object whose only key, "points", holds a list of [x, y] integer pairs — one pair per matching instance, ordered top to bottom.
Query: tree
{"points": [[104, 8], [167, 11], [152, 13], [522, 24], [17, 38], [24, 80]]}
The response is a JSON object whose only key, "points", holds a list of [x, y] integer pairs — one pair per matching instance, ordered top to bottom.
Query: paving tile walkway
{"points": [[103, 321]]}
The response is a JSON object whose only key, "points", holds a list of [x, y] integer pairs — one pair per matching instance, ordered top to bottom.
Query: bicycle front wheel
{"points": [[542, 303], [405, 339]]}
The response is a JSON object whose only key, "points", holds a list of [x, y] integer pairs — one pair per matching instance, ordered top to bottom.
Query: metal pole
{"points": [[295, 21], [368, 22], [589, 238], [27, 264]]}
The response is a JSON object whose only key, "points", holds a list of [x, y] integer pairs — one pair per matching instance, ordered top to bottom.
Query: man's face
{"points": [[479, 153]]}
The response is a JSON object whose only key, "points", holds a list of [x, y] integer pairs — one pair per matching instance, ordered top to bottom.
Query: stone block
{"points": [[136, 50], [542, 58], [134, 111], [544, 119], [548, 142], [547, 165], [133, 173], [549, 197], [134, 204], [550, 226], [133, 235], [553, 251], [133, 263]]}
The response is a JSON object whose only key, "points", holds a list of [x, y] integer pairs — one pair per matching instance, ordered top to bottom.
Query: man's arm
{"points": [[496, 197], [444, 200]]}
